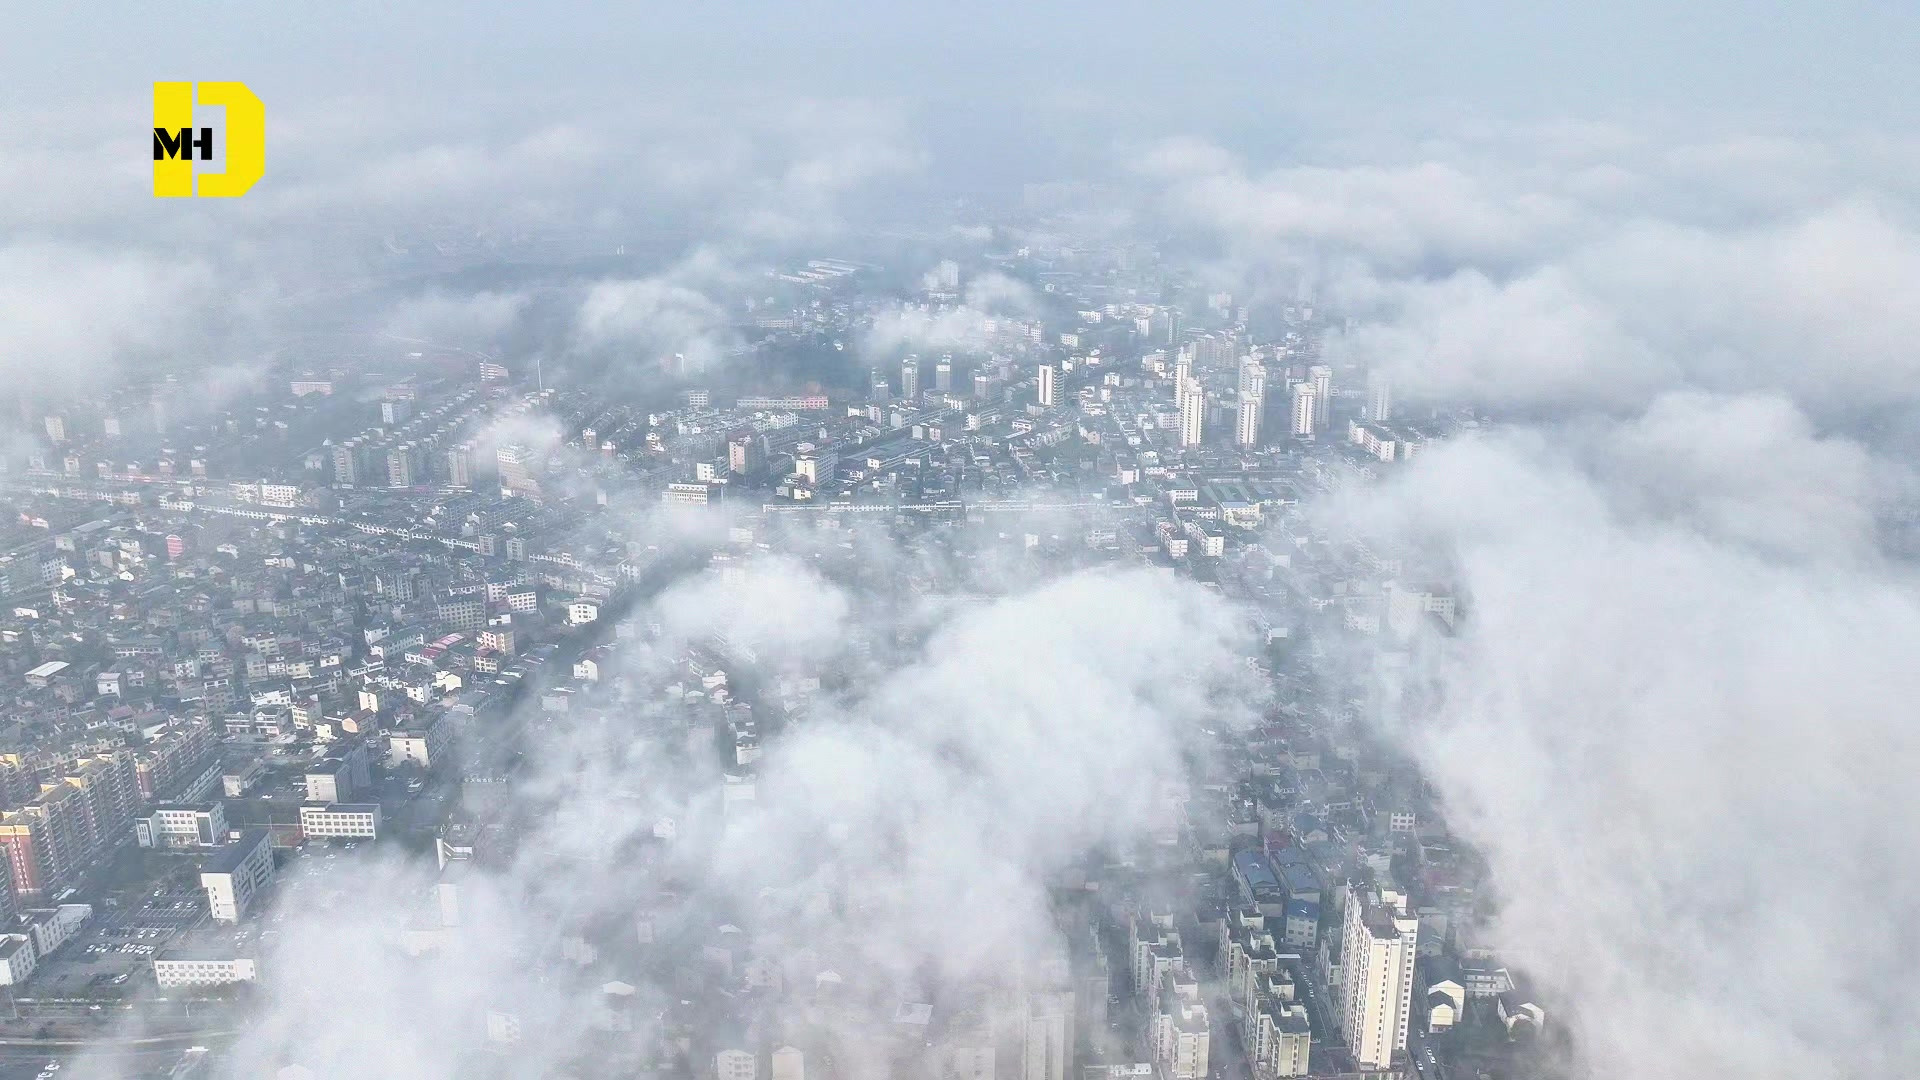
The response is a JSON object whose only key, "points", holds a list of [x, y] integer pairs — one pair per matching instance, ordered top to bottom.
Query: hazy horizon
{"points": [[1644, 281]]}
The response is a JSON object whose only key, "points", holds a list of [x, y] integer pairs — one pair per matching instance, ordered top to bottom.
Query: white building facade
{"points": [[1376, 987]]}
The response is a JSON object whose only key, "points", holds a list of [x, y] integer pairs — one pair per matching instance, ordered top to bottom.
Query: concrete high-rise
{"points": [[943, 375], [1182, 375], [1253, 377], [1322, 377], [910, 378], [1047, 388], [1379, 397], [1253, 402], [1305, 409], [1193, 413], [1246, 425], [746, 452], [346, 463], [515, 463], [460, 465], [1376, 983], [1179, 1031], [1047, 1036]]}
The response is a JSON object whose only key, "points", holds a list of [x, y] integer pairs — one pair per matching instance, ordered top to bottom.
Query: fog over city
{"points": [[1063, 542]]}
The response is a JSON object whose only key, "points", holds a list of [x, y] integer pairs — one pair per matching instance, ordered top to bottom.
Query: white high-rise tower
{"points": [[1253, 377], [1322, 377], [1379, 397], [1253, 402], [1305, 410], [1193, 412], [1246, 427], [1376, 983], [1047, 1037]]}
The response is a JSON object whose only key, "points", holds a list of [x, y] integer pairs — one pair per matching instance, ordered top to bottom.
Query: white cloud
{"points": [[1604, 271], [989, 296], [75, 317], [655, 318], [477, 320], [776, 607], [1674, 722], [907, 829]]}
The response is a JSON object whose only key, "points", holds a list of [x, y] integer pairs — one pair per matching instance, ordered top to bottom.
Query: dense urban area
{"points": [[875, 541], [365, 622]]}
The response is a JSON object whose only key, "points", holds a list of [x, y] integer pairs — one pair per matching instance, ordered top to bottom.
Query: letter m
{"points": [[173, 139], [172, 144]]}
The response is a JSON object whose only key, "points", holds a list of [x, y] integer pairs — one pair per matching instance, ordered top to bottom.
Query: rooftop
{"points": [[228, 858]]}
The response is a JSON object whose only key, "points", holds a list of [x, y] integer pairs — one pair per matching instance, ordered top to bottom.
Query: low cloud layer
{"points": [[483, 236], [1601, 270], [987, 297], [77, 315], [652, 320], [1674, 718], [1674, 721], [902, 837]]}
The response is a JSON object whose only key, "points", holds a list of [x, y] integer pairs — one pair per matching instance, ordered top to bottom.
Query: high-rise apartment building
{"points": [[943, 375], [1253, 377], [910, 378], [1322, 378], [1048, 388], [1379, 397], [1253, 402], [1306, 409], [1193, 413], [1246, 426], [746, 453], [515, 462], [346, 463], [403, 466], [461, 466], [87, 811], [34, 855], [1376, 985], [1178, 1028], [1179, 1032], [1047, 1036], [1279, 1039]]}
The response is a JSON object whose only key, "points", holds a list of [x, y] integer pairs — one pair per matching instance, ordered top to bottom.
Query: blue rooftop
{"points": [[1255, 870]]}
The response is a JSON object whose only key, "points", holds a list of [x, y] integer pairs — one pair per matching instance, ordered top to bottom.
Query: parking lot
{"points": [[314, 879], [172, 906], [113, 953], [31, 1069]]}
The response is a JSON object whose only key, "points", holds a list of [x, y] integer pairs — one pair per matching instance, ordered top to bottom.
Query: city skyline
{"points": [[1039, 542]]}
